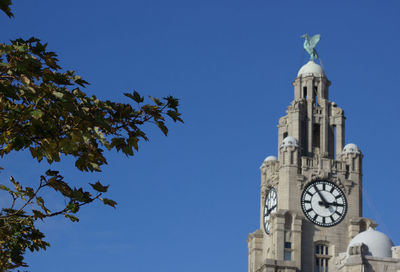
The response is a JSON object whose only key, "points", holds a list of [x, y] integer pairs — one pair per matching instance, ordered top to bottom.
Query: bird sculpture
{"points": [[309, 45]]}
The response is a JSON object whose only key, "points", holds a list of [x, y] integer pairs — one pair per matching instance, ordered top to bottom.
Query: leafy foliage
{"points": [[5, 7], [44, 110], [40, 112]]}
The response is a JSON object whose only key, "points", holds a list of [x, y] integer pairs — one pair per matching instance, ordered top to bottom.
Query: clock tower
{"points": [[311, 194]]}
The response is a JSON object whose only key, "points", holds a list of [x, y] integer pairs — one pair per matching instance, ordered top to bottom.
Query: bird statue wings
{"points": [[309, 45]]}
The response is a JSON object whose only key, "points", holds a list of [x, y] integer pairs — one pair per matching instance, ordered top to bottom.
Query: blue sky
{"points": [[189, 200]]}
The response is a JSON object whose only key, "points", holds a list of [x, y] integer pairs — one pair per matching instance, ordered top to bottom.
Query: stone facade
{"points": [[311, 147]]}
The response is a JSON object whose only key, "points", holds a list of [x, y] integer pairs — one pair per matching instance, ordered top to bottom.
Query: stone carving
{"points": [[296, 105], [336, 111], [283, 121], [301, 180]]}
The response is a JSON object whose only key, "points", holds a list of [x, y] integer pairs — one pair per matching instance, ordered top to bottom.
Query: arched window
{"points": [[321, 258]]}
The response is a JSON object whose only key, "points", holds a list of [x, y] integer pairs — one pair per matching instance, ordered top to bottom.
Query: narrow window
{"points": [[305, 92], [316, 96], [316, 135], [304, 137], [334, 142], [347, 171], [288, 251], [288, 255], [321, 258]]}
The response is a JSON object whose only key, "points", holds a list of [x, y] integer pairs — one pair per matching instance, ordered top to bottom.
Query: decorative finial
{"points": [[309, 45]]}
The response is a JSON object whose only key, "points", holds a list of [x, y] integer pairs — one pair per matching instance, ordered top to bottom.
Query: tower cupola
{"points": [[311, 69], [289, 141], [351, 148], [270, 158], [378, 244]]}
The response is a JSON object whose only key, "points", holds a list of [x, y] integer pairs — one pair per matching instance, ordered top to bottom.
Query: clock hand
{"points": [[324, 202], [331, 204], [270, 210]]}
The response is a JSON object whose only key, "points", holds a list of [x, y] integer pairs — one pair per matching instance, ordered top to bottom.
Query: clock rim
{"points": [[343, 194], [266, 195]]}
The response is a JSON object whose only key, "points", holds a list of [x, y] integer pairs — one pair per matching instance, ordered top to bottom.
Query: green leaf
{"points": [[135, 96], [157, 101], [172, 102], [37, 114], [174, 115], [162, 126], [52, 173], [16, 184], [60, 186], [99, 187], [5, 188], [29, 192], [80, 195], [40, 202], [109, 202], [73, 207], [38, 214], [71, 217]]}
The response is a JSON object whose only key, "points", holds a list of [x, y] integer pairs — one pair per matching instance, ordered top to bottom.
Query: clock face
{"points": [[271, 201], [324, 203]]}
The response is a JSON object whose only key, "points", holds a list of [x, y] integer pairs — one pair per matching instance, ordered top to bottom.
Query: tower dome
{"points": [[311, 69], [289, 141], [351, 148], [270, 158], [379, 245]]}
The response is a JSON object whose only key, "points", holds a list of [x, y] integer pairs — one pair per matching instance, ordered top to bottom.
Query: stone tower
{"points": [[311, 195]]}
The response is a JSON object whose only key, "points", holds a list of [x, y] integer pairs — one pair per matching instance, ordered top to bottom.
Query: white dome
{"points": [[311, 68], [289, 141], [351, 148], [270, 158], [379, 245]]}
